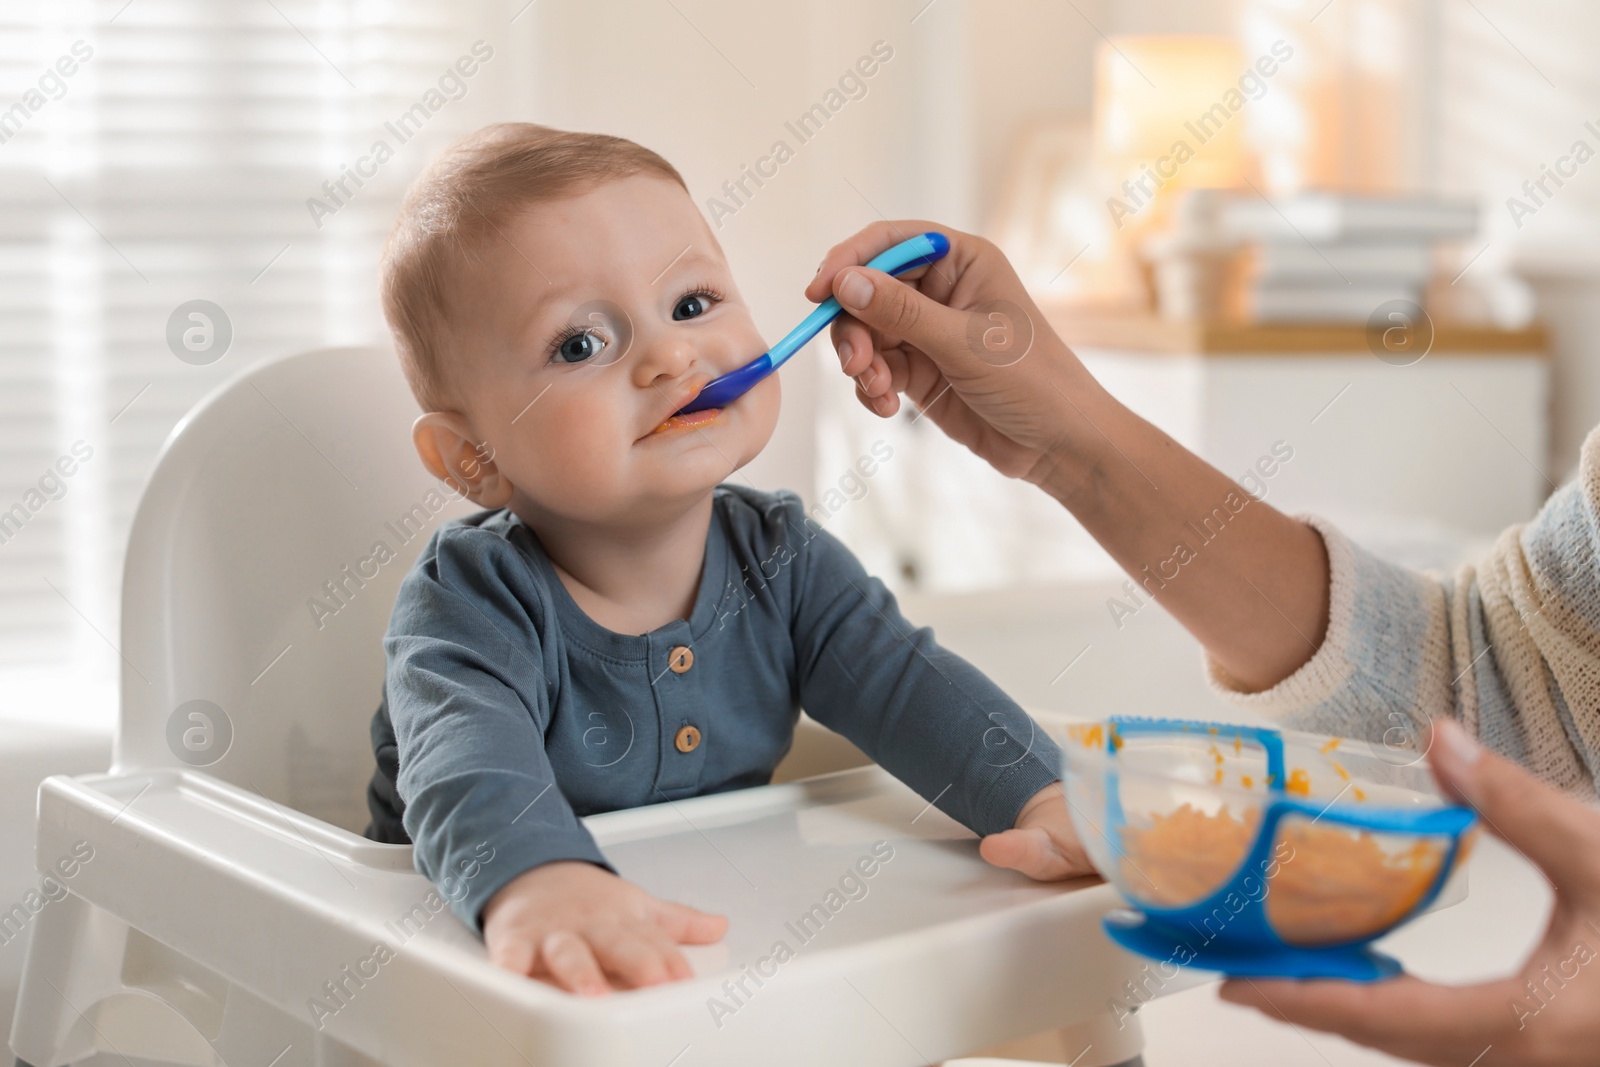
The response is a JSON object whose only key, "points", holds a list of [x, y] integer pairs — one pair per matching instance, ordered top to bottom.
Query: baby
{"points": [[617, 627]]}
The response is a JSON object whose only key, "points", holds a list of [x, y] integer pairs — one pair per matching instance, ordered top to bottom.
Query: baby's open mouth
{"points": [[687, 421]]}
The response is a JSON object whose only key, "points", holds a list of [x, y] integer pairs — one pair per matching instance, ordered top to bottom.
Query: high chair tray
{"points": [[863, 929]]}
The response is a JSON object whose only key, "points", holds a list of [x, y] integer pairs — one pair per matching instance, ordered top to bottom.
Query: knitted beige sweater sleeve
{"points": [[1509, 646]]}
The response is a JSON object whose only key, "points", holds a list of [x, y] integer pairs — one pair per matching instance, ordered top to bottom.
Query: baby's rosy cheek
{"points": [[552, 419], [593, 436]]}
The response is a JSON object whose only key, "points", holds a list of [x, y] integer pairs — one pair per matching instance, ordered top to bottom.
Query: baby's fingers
{"points": [[1031, 851], [689, 926], [516, 953], [634, 957], [571, 964]]}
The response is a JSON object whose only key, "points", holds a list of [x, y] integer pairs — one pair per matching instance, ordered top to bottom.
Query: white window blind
{"points": [[154, 153]]}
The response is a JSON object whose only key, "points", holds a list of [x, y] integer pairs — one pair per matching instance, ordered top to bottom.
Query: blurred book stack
{"points": [[1309, 257]]}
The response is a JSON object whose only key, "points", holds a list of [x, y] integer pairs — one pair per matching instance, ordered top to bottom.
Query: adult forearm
{"points": [[965, 342], [1248, 581]]}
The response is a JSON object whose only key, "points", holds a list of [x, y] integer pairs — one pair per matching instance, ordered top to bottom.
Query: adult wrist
{"points": [[1072, 469]]}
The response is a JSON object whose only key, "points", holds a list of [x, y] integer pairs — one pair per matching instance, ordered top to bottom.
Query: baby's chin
{"points": [[684, 461], [674, 467]]}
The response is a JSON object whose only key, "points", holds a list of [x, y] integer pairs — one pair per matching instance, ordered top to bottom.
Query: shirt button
{"points": [[680, 659], [688, 739]]}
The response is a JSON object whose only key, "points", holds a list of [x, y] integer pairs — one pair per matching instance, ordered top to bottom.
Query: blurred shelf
{"points": [[1152, 334], [1455, 439]]}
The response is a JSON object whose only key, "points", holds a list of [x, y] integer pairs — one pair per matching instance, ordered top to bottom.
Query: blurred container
{"points": [[1257, 852]]}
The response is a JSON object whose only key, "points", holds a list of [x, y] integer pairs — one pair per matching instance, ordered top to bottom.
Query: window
{"points": [[159, 152]]}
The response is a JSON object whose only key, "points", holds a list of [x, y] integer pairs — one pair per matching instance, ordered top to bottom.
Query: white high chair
{"points": [[223, 907]]}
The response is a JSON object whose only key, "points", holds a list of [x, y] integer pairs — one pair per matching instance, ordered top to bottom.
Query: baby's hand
{"points": [[1043, 844], [573, 924]]}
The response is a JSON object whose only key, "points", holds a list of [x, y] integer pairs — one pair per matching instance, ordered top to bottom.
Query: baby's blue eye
{"points": [[691, 306], [579, 347]]}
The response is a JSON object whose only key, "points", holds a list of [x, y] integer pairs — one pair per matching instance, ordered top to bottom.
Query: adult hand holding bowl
{"points": [[1258, 852], [1548, 1012]]}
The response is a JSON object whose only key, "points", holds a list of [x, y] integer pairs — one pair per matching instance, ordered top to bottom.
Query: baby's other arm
{"points": [[468, 696], [924, 714]]}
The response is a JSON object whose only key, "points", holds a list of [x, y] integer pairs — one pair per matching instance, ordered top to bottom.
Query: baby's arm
{"points": [[467, 691], [925, 714]]}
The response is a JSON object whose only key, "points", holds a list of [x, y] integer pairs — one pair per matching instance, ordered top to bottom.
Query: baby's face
{"points": [[588, 323]]}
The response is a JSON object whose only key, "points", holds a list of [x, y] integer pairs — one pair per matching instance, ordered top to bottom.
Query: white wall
{"points": [[1517, 81]]}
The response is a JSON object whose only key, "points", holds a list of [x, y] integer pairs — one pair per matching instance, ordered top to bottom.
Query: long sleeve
{"points": [[1509, 646], [466, 686], [921, 712]]}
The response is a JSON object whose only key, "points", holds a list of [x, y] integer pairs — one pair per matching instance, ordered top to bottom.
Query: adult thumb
{"points": [[895, 308], [1558, 833]]}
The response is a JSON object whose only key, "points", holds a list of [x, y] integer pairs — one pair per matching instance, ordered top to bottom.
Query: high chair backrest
{"points": [[262, 564]]}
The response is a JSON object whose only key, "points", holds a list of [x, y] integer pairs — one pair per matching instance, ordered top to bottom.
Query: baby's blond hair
{"points": [[466, 196]]}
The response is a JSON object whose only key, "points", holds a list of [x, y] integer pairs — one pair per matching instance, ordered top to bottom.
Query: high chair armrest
{"points": [[850, 900]]}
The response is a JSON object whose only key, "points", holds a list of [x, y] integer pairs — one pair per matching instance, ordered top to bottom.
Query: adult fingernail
{"points": [[855, 291], [845, 352], [1462, 748], [1461, 754]]}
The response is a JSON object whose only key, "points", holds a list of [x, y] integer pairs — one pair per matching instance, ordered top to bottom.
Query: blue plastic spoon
{"points": [[720, 392]]}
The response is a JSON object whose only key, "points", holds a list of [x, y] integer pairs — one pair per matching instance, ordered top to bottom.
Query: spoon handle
{"points": [[916, 252], [719, 392]]}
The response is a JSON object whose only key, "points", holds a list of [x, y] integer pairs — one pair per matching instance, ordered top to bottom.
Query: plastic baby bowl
{"points": [[719, 392], [1257, 852]]}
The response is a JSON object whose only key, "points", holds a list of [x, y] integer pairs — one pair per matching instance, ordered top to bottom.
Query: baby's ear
{"points": [[448, 448]]}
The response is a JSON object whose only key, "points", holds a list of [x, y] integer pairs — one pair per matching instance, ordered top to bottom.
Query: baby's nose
{"points": [[666, 357]]}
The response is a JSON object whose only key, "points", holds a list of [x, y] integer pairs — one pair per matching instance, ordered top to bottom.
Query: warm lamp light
{"points": [[1167, 113]]}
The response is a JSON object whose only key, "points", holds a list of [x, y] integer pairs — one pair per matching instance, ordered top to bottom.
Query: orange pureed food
{"points": [[1185, 855], [1328, 883]]}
